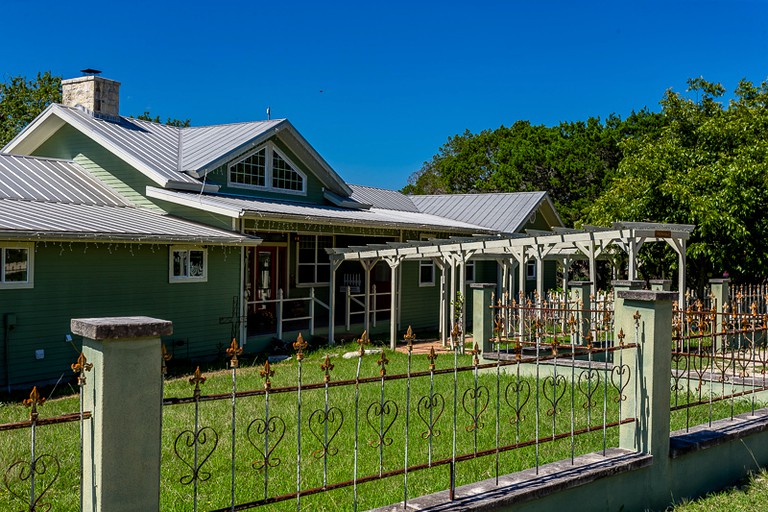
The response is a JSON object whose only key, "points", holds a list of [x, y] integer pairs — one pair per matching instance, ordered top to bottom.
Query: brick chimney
{"points": [[98, 95]]}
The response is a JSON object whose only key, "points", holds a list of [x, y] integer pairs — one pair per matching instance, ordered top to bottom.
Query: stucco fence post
{"points": [[483, 315], [122, 445]]}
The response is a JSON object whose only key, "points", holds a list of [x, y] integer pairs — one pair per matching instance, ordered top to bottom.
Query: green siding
{"points": [[69, 143], [196, 215], [89, 281], [420, 305]]}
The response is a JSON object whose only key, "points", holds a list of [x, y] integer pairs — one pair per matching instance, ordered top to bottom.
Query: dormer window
{"points": [[266, 168]]}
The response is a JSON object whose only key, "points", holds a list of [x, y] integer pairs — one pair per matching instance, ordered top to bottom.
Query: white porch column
{"points": [[335, 264], [367, 265], [394, 265]]}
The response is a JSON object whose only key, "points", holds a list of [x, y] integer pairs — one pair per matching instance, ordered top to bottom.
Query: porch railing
{"points": [[281, 318]]}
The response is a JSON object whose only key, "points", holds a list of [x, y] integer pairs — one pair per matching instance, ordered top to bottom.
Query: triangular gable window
{"points": [[266, 168]]}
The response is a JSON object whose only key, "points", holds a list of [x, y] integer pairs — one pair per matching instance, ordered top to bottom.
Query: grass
{"points": [[215, 491], [751, 495]]}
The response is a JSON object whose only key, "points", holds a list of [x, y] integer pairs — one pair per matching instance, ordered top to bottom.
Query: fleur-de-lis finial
{"points": [[636, 317], [621, 337], [409, 338], [588, 339], [361, 342], [299, 346], [233, 351], [475, 352], [164, 357], [431, 357], [383, 362], [327, 366], [80, 367], [266, 373], [197, 379], [33, 401]]}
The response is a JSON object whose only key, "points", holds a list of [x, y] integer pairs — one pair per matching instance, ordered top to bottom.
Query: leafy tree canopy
{"points": [[21, 100], [146, 116], [572, 161], [707, 166]]}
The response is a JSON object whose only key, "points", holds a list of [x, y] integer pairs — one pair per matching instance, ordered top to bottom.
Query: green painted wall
{"points": [[69, 143], [89, 281]]}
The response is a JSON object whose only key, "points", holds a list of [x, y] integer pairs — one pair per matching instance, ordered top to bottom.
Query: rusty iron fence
{"points": [[718, 357], [545, 382], [29, 479]]}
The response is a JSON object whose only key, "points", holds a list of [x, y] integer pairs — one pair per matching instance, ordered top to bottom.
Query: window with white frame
{"points": [[266, 168], [188, 264], [313, 264], [16, 269], [530, 270], [469, 271], [426, 273]]}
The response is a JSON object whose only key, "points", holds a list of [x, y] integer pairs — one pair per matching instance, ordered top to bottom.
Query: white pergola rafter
{"points": [[560, 244]]}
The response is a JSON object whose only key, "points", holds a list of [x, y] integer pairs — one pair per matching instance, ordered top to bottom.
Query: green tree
{"points": [[21, 100], [146, 116], [572, 161], [707, 166]]}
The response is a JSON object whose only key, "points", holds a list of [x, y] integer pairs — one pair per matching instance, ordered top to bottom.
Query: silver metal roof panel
{"points": [[51, 180], [383, 198], [502, 212], [44, 220]]}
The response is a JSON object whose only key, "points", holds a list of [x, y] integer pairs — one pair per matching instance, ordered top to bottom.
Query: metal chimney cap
{"points": [[89, 71]]}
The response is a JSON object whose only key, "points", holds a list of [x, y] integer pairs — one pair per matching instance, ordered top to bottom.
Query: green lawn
{"points": [[214, 492], [751, 496]]}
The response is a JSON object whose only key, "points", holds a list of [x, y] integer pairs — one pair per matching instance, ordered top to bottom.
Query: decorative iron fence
{"points": [[719, 360], [377, 437], [34, 474]]}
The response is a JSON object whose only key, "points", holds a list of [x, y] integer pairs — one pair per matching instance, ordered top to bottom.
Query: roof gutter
{"points": [[70, 236]]}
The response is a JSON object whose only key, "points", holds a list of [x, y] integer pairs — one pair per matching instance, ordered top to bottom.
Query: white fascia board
{"points": [[35, 133], [116, 150], [192, 187], [195, 202]]}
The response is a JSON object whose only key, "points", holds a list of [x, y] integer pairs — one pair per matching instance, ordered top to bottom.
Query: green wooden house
{"points": [[235, 222]]}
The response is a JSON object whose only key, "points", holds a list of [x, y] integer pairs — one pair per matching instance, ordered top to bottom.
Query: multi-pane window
{"points": [[266, 168], [251, 171], [284, 176], [188, 264], [16, 266], [314, 266]]}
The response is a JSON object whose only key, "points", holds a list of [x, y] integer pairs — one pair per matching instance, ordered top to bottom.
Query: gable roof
{"points": [[171, 156], [43, 198], [501, 212]]}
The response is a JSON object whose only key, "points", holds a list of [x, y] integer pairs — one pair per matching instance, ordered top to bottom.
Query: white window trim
{"points": [[270, 148], [425, 263], [530, 270], [474, 271], [185, 279], [318, 284], [18, 285]]}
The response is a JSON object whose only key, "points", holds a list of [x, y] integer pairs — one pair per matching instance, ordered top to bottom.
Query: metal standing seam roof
{"points": [[204, 144], [154, 145], [52, 180], [44, 198], [383, 198], [262, 208], [501, 212]]}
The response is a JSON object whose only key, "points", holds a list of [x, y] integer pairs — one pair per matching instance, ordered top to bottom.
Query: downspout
{"points": [[243, 298]]}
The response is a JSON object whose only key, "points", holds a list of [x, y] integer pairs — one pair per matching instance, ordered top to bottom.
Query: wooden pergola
{"points": [[561, 244]]}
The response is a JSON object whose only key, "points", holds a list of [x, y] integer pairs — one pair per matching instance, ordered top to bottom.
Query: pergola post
{"points": [[335, 264], [368, 265], [394, 265]]}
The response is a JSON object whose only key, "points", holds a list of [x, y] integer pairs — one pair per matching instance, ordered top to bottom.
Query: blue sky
{"points": [[377, 87]]}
